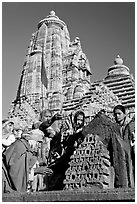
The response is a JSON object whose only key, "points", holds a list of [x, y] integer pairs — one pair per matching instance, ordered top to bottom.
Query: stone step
{"points": [[93, 195]]}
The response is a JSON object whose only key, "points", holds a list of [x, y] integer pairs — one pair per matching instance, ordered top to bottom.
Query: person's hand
{"points": [[69, 132], [43, 170]]}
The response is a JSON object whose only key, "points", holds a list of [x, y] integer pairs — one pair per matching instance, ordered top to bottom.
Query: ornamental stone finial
{"points": [[52, 13], [118, 60]]}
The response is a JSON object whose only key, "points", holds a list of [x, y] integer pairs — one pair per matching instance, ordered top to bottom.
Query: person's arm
{"points": [[43, 126]]}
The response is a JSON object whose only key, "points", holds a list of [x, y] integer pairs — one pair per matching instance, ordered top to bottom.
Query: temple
{"points": [[56, 75]]}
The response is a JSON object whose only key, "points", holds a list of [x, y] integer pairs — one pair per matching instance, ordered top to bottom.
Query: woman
{"points": [[7, 134]]}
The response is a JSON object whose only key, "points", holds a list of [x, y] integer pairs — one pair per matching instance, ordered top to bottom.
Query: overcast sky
{"points": [[105, 29]]}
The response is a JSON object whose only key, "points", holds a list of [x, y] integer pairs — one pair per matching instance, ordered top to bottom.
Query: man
{"points": [[121, 118], [49, 127], [17, 130], [129, 134], [125, 141]]}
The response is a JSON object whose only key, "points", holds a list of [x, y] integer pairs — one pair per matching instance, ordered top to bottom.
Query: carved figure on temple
{"points": [[75, 74], [78, 92], [69, 94]]}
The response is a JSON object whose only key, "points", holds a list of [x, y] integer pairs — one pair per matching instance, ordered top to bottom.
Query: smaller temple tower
{"points": [[122, 84]]}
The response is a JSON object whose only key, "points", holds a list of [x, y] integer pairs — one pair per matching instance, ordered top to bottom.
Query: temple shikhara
{"points": [[57, 76]]}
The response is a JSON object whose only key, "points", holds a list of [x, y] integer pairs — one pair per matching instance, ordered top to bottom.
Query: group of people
{"points": [[29, 156]]}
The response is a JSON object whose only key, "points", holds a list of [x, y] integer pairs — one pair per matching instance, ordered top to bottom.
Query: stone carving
{"points": [[78, 92], [22, 113], [90, 166]]}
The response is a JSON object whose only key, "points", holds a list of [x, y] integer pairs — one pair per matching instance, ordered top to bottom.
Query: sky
{"points": [[105, 29]]}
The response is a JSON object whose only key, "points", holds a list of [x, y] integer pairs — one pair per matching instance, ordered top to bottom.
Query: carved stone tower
{"points": [[52, 68], [56, 76]]}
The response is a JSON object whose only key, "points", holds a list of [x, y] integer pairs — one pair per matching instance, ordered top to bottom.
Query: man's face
{"points": [[119, 115], [47, 116], [79, 120], [17, 132]]}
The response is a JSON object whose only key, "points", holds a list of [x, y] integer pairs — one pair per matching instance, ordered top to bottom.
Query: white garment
{"points": [[9, 140]]}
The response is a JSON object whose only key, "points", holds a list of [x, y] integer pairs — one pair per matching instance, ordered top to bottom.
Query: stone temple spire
{"points": [[45, 55], [52, 64]]}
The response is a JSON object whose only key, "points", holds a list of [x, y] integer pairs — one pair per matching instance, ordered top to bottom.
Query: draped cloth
{"points": [[119, 150], [17, 161]]}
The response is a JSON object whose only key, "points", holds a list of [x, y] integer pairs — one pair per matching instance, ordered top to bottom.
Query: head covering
{"points": [[120, 107], [77, 114], [6, 121], [36, 125], [36, 135]]}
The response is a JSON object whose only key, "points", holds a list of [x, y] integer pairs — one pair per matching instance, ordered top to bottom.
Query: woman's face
{"points": [[119, 115], [79, 120]]}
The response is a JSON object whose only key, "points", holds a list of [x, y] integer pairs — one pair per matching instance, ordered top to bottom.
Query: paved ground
{"points": [[79, 195]]}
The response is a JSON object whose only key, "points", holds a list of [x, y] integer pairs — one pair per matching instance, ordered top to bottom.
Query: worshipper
{"points": [[121, 118], [46, 124], [49, 128], [17, 130], [7, 134], [129, 134], [76, 138], [124, 140], [70, 144], [119, 150], [18, 160]]}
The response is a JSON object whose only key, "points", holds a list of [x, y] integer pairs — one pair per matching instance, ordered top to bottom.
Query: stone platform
{"points": [[73, 195]]}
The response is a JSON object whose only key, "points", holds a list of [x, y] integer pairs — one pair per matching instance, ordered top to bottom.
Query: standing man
{"points": [[121, 118], [48, 128], [125, 141]]}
